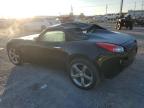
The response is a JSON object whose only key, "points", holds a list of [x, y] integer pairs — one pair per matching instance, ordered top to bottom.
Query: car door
{"points": [[49, 47]]}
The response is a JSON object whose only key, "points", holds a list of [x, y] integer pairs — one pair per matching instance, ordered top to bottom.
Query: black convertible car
{"points": [[87, 50]]}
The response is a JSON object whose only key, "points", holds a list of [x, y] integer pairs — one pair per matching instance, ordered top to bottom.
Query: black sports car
{"points": [[87, 51]]}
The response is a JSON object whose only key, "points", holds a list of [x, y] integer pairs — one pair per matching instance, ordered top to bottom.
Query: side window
{"points": [[54, 36]]}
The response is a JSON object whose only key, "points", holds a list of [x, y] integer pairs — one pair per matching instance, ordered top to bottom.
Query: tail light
{"points": [[111, 47]]}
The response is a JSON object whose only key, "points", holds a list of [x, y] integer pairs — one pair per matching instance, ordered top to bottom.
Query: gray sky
{"points": [[25, 8]]}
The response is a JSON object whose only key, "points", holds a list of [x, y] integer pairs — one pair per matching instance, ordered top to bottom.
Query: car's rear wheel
{"points": [[130, 27], [15, 56], [84, 74]]}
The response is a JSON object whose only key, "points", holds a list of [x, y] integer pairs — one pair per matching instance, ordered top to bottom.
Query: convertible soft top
{"points": [[76, 26]]}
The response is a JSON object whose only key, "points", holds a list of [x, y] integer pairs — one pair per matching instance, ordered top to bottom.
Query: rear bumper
{"points": [[114, 63]]}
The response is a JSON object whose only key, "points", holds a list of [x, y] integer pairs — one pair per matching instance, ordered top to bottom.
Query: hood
{"points": [[29, 37], [111, 37]]}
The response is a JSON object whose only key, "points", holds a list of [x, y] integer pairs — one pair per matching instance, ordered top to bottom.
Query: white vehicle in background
{"points": [[35, 25]]}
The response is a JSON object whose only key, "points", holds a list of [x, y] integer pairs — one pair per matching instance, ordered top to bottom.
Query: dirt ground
{"points": [[32, 86]]}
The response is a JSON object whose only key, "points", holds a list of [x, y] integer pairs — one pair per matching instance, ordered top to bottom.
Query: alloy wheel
{"points": [[14, 56], [81, 75]]}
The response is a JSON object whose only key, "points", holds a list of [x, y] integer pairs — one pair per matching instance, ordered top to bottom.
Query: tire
{"points": [[119, 26], [127, 26], [116, 27], [130, 27], [15, 56], [83, 73]]}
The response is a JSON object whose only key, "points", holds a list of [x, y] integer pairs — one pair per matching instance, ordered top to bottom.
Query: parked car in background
{"points": [[139, 21], [6, 23], [38, 24], [87, 55]]}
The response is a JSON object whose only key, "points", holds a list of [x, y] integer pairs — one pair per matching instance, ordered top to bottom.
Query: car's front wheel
{"points": [[119, 26], [15, 56], [84, 74]]}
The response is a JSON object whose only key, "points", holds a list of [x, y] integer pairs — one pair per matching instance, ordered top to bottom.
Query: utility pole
{"points": [[142, 4], [134, 5], [121, 7], [106, 8], [134, 8], [142, 8], [71, 9]]}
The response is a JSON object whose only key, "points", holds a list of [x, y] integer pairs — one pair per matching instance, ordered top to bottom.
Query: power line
{"points": [[101, 5]]}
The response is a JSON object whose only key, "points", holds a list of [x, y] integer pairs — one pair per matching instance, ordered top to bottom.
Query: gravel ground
{"points": [[33, 86]]}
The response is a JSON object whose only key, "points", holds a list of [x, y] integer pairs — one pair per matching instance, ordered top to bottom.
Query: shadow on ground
{"points": [[33, 86]]}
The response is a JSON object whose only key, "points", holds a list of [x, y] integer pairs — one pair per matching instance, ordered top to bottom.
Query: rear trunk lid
{"points": [[111, 37]]}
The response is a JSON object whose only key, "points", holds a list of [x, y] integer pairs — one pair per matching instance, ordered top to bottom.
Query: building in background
{"points": [[136, 13]]}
